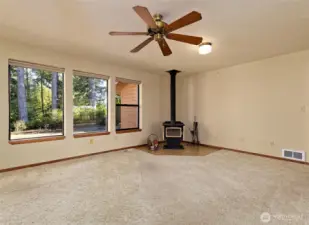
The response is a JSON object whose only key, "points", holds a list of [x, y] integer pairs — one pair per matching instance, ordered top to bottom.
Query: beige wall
{"points": [[259, 107], [16, 155]]}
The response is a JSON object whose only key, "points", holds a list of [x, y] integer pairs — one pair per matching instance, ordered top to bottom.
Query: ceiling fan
{"points": [[158, 30]]}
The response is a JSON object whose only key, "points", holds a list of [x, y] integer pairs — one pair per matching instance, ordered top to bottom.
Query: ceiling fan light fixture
{"points": [[158, 37], [205, 48]]}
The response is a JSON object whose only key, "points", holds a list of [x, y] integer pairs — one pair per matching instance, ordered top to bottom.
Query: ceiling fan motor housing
{"points": [[158, 20], [159, 31]]}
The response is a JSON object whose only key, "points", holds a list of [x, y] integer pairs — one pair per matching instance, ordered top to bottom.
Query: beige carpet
{"points": [[134, 187]]}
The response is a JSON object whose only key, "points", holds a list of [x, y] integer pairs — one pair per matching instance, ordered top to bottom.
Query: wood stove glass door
{"points": [[174, 132]]}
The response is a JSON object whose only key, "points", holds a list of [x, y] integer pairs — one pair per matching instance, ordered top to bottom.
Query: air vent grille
{"points": [[292, 154]]}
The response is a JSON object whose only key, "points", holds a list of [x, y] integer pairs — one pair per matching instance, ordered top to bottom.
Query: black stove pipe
{"points": [[173, 94]]}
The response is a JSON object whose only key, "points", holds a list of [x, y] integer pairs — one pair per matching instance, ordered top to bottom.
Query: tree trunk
{"points": [[28, 85], [54, 90], [42, 95], [59, 96], [92, 96], [22, 100]]}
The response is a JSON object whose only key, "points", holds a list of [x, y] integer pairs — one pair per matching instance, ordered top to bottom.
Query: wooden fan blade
{"points": [[144, 13], [186, 20], [114, 33], [185, 38], [142, 45], [164, 47]]}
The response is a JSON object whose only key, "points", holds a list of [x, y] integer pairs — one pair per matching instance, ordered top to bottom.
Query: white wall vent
{"points": [[295, 155]]}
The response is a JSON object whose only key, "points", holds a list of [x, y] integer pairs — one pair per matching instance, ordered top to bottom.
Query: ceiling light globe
{"points": [[205, 48]]}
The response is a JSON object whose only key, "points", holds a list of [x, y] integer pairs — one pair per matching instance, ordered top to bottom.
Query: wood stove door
{"points": [[173, 132]]}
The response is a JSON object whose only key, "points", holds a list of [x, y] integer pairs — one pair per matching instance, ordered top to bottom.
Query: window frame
{"points": [[95, 76], [122, 130], [35, 139]]}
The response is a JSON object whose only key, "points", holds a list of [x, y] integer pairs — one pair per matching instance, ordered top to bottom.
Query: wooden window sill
{"points": [[128, 131], [90, 134], [36, 140]]}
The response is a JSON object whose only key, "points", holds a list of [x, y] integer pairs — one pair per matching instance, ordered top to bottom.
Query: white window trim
{"points": [[38, 66], [88, 74]]}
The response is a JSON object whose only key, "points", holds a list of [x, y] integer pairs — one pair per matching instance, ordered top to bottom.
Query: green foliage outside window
{"points": [[37, 98], [90, 101], [36, 102]]}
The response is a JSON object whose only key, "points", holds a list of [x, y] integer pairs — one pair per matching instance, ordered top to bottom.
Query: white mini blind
{"points": [[38, 66], [87, 74], [123, 80]]}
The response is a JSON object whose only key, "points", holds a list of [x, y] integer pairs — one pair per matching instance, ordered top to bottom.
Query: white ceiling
{"points": [[240, 30]]}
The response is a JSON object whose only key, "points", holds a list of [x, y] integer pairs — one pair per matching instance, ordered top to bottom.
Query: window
{"points": [[36, 101], [90, 103], [127, 104]]}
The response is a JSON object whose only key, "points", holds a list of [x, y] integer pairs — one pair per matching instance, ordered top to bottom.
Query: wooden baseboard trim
{"points": [[136, 146], [253, 153], [65, 159]]}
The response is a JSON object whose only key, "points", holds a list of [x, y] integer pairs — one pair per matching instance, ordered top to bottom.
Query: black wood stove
{"points": [[173, 130]]}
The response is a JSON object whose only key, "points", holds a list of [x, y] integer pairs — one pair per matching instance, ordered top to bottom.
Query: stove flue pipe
{"points": [[173, 74]]}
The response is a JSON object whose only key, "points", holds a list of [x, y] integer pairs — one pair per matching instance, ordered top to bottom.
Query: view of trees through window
{"points": [[36, 103], [90, 104]]}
